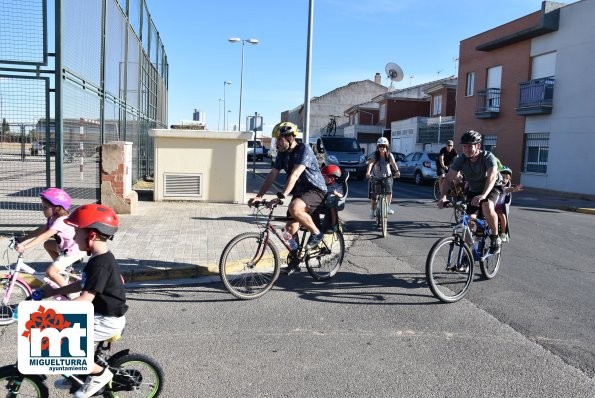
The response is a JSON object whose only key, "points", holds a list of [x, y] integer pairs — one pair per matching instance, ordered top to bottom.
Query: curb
{"points": [[583, 210]]}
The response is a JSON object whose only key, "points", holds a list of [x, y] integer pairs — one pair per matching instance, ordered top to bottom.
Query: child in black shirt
{"points": [[101, 283]]}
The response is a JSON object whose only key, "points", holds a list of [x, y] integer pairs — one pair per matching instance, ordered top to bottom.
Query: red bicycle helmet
{"points": [[331, 169], [98, 217]]}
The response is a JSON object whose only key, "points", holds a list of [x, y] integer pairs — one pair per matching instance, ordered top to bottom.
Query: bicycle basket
{"points": [[382, 186]]}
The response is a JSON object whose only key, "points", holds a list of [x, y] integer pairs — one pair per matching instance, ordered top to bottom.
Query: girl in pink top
{"points": [[62, 249]]}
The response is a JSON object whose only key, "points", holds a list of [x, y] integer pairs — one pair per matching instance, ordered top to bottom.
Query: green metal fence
{"points": [[98, 73]]}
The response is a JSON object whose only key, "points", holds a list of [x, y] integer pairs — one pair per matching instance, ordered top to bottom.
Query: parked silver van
{"points": [[344, 152]]}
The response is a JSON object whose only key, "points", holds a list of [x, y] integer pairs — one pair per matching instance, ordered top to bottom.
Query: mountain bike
{"points": [[380, 188], [250, 262], [450, 262], [14, 289], [135, 375]]}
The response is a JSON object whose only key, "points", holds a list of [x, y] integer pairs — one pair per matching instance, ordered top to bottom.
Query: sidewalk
{"points": [[172, 240]]}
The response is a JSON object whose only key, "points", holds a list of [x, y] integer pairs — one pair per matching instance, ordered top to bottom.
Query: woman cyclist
{"points": [[381, 164]]}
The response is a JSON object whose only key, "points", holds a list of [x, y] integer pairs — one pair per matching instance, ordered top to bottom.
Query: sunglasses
{"points": [[382, 147]]}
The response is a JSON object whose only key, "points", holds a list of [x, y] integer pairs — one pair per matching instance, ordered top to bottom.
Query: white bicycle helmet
{"points": [[382, 141]]}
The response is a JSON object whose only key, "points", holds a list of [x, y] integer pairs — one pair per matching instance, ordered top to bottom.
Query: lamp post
{"points": [[253, 42], [225, 83], [219, 117]]}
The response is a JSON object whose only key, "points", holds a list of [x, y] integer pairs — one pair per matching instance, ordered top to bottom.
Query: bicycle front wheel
{"points": [[437, 189], [384, 216], [324, 262], [490, 263], [249, 266], [449, 269], [19, 293], [135, 375], [18, 385]]}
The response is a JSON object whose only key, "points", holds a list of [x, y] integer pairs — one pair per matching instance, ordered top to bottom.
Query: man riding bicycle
{"points": [[445, 157], [480, 169], [304, 182]]}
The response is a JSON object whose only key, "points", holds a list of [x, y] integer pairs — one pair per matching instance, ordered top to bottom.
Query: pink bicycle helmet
{"points": [[57, 197]]}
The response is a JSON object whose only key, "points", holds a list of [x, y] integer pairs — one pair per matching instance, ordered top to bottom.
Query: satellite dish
{"points": [[394, 72]]}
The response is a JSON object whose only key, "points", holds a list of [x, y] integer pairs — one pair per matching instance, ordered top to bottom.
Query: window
{"points": [[470, 84], [437, 105], [382, 111], [356, 118], [489, 143], [536, 152]]}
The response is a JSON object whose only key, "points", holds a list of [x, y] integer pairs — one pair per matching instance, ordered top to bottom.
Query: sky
{"points": [[351, 41]]}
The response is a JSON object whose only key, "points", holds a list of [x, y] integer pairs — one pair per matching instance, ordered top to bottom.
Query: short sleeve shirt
{"points": [[448, 156], [382, 165], [475, 173], [311, 178], [334, 187], [65, 236], [102, 276]]}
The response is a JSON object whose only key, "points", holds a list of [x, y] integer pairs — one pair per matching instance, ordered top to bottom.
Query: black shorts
{"points": [[440, 171], [492, 197], [312, 199]]}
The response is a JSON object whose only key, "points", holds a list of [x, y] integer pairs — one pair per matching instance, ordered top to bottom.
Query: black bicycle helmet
{"points": [[471, 137]]}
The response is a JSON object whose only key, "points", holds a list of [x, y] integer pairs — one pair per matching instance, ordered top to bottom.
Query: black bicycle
{"points": [[250, 262], [450, 262], [135, 375]]}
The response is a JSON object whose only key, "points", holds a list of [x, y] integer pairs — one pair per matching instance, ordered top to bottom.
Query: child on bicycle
{"points": [[334, 192], [503, 202], [62, 249], [101, 284]]}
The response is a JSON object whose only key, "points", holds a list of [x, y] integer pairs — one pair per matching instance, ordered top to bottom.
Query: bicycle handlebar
{"points": [[265, 202]]}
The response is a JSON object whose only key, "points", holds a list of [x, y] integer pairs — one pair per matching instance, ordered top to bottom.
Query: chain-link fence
{"points": [[106, 82]]}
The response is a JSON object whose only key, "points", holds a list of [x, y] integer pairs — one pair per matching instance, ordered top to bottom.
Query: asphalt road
{"points": [[376, 330]]}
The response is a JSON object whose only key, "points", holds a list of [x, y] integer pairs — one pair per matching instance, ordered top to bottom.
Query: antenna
{"points": [[394, 73]]}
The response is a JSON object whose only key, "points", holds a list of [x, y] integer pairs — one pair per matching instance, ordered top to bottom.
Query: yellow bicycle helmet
{"points": [[284, 128]]}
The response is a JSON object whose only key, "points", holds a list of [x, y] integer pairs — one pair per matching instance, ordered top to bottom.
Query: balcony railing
{"points": [[536, 97], [488, 103]]}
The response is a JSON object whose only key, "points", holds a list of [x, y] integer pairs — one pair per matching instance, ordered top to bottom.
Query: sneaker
{"points": [[390, 211], [372, 214], [331, 229], [504, 237], [314, 240], [495, 244], [464, 266], [290, 269], [63, 384], [93, 384]]}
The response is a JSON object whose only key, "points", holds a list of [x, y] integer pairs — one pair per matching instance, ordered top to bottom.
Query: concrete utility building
{"points": [[528, 87]]}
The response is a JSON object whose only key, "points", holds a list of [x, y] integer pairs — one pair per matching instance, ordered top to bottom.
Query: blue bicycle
{"points": [[450, 262]]}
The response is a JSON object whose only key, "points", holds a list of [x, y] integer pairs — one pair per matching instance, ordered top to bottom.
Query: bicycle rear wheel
{"points": [[324, 262], [490, 263], [249, 266], [449, 269], [19, 293], [135, 376], [12, 383]]}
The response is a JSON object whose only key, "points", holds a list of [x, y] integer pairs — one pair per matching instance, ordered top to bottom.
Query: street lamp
{"points": [[253, 42], [225, 83], [219, 117]]}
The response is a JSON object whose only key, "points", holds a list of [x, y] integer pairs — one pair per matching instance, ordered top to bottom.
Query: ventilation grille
{"points": [[182, 185]]}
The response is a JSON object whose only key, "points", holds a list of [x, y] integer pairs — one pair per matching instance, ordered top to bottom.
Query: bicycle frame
{"points": [[463, 229], [22, 267]]}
